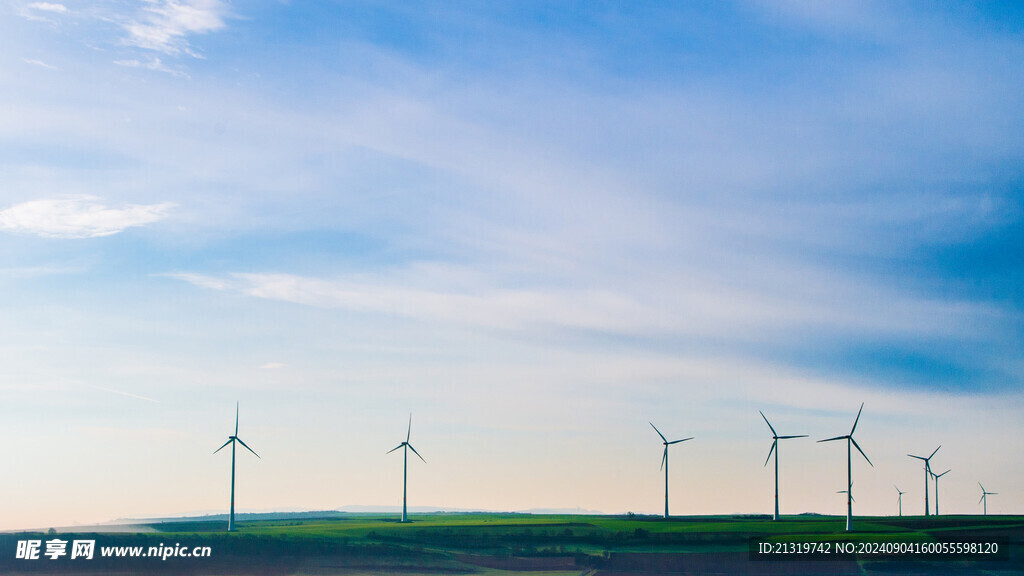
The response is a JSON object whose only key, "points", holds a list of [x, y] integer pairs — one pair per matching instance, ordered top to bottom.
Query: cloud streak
{"points": [[49, 7], [166, 25], [39, 63], [154, 64], [78, 217], [695, 311], [127, 394]]}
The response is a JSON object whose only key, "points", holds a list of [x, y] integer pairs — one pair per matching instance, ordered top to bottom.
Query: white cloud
{"points": [[49, 7], [164, 25], [39, 63], [154, 64], [78, 217], [36, 271], [703, 309], [128, 394]]}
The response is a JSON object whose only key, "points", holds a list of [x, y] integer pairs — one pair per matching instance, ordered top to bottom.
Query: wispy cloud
{"points": [[49, 7], [48, 12], [165, 25], [39, 63], [154, 64], [78, 217], [37, 271], [701, 309], [273, 366], [127, 394]]}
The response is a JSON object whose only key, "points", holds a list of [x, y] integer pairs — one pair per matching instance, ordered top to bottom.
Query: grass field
{"points": [[492, 544]]}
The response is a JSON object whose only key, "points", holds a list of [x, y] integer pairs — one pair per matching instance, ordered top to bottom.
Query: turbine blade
{"points": [[236, 418], [858, 418], [658, 431], [408, 432], [774, 433], [788, 437], [836, 438], [678, 441], [229, 442], [247, 448], [395, 448], [861, 451], [415, 452], [770, 452], [933, 453], [918, 457], [664, 458], [944, 473], [982, 487], [992, 493]]}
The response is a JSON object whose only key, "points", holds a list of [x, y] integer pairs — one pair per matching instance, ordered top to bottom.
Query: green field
{"points": [[492, 544]]}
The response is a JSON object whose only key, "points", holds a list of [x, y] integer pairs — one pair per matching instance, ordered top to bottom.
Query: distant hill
{"points": [[341, 512]]}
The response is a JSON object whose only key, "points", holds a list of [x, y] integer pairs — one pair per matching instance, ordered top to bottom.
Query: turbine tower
{"points": [[232, 440], [775, 449], [664, 459], [405, 466], [849, 467], [927, 471], [936, 478], [984, 497], [899, 500]]}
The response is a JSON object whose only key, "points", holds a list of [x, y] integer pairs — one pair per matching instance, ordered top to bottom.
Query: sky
{"points": [[535, 227]]}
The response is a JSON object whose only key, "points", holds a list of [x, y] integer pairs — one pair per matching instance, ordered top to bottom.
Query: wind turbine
{"points": [[232, 440], [775, 449], [664, 459], [405, 466], [849, 466], [927, 471], [936, 478], [846, 492], [984, 497], [899, 500]]}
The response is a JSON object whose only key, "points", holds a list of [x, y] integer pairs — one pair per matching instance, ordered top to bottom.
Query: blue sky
{"points": [[535, 226]]}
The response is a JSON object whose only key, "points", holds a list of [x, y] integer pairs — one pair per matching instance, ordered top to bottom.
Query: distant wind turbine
{"points": [[232, 440], [775, 449], [664, 459], [405, 466], [849, 466], [927, 471], [936, 478], [846, 492], [984, 497], [899, 500]]}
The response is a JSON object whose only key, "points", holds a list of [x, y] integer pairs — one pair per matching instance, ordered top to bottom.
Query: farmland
{"points": [[551, 545]]}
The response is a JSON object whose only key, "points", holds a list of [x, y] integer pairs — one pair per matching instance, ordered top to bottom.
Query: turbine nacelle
{"points": [[776, 438], [667, 443], [927, 461]]}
